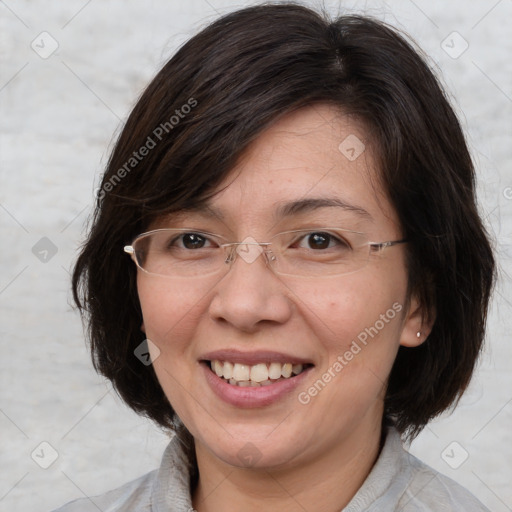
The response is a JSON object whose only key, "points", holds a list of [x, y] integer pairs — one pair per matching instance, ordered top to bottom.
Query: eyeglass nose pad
{"points": [[232, 252], [231, 255], [270, 255]]}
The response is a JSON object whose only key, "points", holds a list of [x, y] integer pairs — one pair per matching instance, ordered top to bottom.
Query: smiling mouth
{"points": [[261, 374]]}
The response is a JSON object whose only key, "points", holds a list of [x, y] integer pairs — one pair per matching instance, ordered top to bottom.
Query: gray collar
{"points": [[171, 490]]}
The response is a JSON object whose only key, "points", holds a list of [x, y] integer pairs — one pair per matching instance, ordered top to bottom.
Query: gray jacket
{"points": [[397, 482]]}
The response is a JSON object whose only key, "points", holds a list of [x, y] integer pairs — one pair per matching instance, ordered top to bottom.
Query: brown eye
{"points": [[318, 240], [321, 240], [193, 241]]}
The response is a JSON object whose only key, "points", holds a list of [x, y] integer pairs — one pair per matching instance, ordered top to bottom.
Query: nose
{"points": [[250, 294]]}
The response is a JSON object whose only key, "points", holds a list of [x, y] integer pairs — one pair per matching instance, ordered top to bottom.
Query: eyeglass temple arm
{"points": [[382, 245]]}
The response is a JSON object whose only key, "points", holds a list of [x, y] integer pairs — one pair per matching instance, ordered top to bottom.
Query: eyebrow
{"points": [[309, 204], [291, 208]]}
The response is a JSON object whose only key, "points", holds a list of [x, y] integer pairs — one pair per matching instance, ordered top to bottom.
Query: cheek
{"points": [[170, 310], [171, 314], [363, 315], [357, 331]]}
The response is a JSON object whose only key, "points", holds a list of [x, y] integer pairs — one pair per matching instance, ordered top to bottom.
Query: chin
{"points": [[252, 448], [253, 456]]}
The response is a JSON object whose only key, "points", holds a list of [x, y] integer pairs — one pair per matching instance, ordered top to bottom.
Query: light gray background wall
{"points": [[58, 114]]}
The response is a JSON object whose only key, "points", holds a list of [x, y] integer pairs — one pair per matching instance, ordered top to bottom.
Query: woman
{"points": [[310, 276]]}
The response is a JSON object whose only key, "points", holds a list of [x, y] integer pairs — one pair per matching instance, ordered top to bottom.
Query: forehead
{"points": [[314, 139], [312, 153], [304, 161]]}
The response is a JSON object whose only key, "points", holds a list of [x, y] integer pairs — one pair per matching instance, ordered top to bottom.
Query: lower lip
{"points": [[252, 397]]}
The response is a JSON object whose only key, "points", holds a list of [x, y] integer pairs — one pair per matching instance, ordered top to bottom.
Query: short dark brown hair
{"points": [[215, 96]]}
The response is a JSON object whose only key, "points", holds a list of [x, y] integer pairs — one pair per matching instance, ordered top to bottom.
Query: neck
{"points": [[328, 482]]}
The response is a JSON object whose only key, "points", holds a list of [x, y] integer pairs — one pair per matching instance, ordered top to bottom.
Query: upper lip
{"points": [[254, 357]]}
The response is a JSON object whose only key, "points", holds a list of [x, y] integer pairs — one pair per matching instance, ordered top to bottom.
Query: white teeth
{"points": [[218, 368], [296, 369], [228, 370], [274, 370], [287, 370], [241, 372], [260, 374]]}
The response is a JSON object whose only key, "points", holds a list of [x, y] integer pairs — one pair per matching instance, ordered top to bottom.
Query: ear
{"points": [[417, 320]]}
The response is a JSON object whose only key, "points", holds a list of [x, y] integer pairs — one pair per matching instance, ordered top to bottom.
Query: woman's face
{"points": [[345, 329]]}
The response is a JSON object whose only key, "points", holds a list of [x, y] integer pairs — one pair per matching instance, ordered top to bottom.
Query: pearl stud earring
{"points": [[418, 334]]}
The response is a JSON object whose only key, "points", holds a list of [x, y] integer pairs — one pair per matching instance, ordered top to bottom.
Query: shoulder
{"points": [[400, 481], [164, 489], [429, 490], [134, 495]]}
